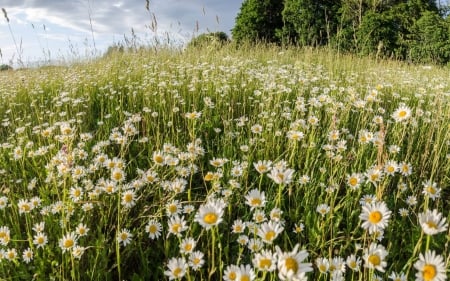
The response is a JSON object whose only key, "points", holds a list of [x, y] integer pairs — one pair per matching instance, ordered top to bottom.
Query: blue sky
{"points": [[40, 30]]}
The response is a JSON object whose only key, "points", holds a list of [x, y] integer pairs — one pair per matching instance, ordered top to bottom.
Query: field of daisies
{"points": [[225, 164]]}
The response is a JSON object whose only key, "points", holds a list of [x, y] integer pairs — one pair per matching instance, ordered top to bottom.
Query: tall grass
{"points": [[167, 138]]}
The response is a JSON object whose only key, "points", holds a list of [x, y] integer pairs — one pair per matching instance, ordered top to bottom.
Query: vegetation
{"points": [[416, 30], [260, 163]]}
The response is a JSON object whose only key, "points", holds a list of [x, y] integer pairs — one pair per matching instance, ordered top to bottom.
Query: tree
{"points": [[258, 20], [309, 22], [212, 38], [430, 39], [4, 67]]}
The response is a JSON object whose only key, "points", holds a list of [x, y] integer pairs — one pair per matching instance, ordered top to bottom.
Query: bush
{"points": [[213, 38], [5, 67]]}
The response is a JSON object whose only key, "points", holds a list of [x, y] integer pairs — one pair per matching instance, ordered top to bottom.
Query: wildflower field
{"points": [[225, 164]]}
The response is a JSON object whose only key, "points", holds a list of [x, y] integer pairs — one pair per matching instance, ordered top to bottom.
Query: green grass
{"points": [[160, 118]]}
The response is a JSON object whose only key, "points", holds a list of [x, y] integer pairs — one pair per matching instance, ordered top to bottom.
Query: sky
{"points": [[63, 30]]}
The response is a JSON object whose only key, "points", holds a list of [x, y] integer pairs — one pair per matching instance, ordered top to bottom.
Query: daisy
{"points": [[401, 114], [263, 166], [391, 167], [405, 169], [117, 175], [374, 175], [281, 176], [355, 180], [431, 190], [128, 198], [255, 199], [3, 202], [24, 206], [173, 208], [323, 209], [403, 212], [210, 214], [275, 214], [258, 216], [375, 216], [432, 222], [176, 225], [238, 226], [153, 228], [298, 228], [81, 230], [269, 231], [4, 235], [124, 237], [40, 239], [242, 240], [68, 241], [187, 245], [255, 245], [78, 251], [11, 254], [27, 255], [374, 257], [196, 260], [265, 260], [353, 262], [290, 264], [322, 264], [337, 264], [430, 267], [176, 268], [230, 273], [245, 273], [397, 276]]}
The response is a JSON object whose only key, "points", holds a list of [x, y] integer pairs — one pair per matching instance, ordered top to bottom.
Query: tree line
{"points": [[415, 30]]}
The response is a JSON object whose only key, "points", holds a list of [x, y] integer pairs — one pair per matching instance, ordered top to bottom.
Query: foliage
{"points": [[258, 21], [389, 29], [217, 39], [430, 39], [5, 67]]}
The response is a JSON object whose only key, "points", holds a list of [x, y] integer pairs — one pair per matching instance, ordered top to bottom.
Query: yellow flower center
{"points": [[402, 113], [158, 159], [391, 169], [117, 176], [209, 176], [353, 181], [431, 190], [128, 198], [255, 202], [173, 209], [375, 217], [210, 218], [431, 224], [176, 227], [152, 228], [270, 235], [123, 236], [40, 240], [68, 243], [188, 247], [375, 260], [196, 261], [265, 263], [291, 264], [353, 264], [322, 268], [177, 272], [429, 272], [232, 275], [245, 278]]}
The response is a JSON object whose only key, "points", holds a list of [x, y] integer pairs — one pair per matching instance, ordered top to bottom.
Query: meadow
{"points": [[257, 163]]}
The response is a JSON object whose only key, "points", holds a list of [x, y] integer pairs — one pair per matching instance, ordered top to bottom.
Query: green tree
{"points": [[258, 20], [309, 22], [212, 38], [430, 39]]}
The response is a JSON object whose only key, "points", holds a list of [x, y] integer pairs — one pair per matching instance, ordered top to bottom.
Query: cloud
{"points": [[112, 20]]}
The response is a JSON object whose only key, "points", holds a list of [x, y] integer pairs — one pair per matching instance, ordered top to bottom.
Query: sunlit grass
{"points": [[218, 163]]}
